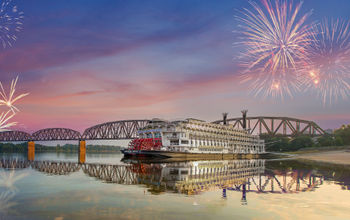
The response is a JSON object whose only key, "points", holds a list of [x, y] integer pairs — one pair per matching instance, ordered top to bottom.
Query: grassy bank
{"points": [[17, 148]]}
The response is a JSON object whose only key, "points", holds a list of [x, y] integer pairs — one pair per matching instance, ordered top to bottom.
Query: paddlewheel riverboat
{"points": [[193, 138]]}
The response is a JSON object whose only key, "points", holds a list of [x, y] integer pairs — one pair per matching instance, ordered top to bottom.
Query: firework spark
{"points": [[11, 21], [276, 42], [329, 73], [276, 86], [10, 99], [4, 120]]}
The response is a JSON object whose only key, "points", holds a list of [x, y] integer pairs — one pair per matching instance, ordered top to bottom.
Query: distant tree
{"points": [[344, 134], [326, 140], [338, 141], [300, 142], [275, 143], [278, 144]]}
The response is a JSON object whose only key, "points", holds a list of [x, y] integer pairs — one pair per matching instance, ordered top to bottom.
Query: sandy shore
{"points": [[338, 157]]}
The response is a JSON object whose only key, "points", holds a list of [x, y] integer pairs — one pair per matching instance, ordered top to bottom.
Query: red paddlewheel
{"points": [[146, 144], [142, 168]]}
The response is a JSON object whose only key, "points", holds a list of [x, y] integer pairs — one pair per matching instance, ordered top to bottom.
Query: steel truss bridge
{"points": [[276, 126], [127, 129], [117, 130], [151, 175]]}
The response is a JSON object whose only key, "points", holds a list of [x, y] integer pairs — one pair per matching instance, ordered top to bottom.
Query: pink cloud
{"points": [[65, 106]]}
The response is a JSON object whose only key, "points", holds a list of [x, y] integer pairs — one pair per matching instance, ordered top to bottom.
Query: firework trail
{"points": [[11, 21], [276, 39], [329, 72], [10, 99]]}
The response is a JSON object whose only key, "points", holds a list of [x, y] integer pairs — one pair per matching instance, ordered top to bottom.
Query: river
{"points": [[56, 186]]}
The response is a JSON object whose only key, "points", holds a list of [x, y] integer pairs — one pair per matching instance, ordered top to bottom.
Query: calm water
{"points": [[56, 186]]}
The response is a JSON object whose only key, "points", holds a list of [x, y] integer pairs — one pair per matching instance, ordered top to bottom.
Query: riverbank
{"points": [[335, 156]]}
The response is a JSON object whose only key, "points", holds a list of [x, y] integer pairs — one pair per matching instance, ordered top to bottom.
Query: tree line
{"points": [[279, 143]]}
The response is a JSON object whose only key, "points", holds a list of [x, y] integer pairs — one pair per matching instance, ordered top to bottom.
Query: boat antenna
{"points": [[244, 114]]}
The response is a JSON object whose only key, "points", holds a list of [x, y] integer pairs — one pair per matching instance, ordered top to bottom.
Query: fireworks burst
{"points": [[10, 23], [275, 39], [276, 42], [329, 73], [10, 99]]}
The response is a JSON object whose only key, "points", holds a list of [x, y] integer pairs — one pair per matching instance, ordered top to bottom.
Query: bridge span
{"points": [[285, 126], [127, 129], [117, 130]]}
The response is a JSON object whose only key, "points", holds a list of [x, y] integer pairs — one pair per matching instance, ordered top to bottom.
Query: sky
{"points": [[88, 62]]}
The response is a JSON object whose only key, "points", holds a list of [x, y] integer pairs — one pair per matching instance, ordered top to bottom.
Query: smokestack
{"points": [[244, 114], [224, 117]]}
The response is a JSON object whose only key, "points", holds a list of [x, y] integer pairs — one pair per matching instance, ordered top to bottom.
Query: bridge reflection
{"points": [[195, 177]]}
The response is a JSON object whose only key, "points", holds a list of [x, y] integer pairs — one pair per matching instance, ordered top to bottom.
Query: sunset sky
{"points": [[89, 62]]}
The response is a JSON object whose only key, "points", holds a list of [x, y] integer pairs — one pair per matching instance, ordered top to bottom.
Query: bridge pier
{"points": [[31, 151], [82, 151]]}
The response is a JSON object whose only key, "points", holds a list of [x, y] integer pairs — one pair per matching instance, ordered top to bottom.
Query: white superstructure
{"points": [[196, 136]]}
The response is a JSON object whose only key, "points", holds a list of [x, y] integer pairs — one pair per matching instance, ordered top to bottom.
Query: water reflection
{"points": [[191, 177], [9, 178], [57, 185], [8, 190], [6, 203]]}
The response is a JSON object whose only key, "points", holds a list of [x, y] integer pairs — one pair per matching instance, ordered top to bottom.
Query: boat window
{"points": [[184, 141], [174, 142], [184, 171], [174, 172]]}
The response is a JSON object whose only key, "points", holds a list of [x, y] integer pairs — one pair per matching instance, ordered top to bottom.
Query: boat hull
{"points": [[184, 155]]}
